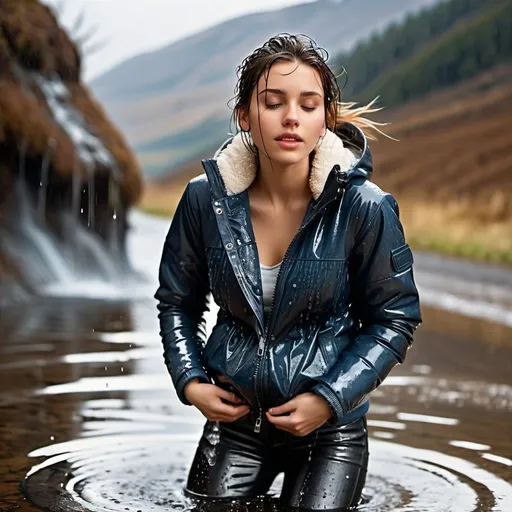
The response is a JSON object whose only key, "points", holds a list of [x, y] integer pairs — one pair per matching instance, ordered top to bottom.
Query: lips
{"points": [[291, 137]]}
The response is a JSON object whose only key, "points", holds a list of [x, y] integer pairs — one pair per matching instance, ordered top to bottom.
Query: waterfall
{"points": [[89, 147], [23, 156], [43, 184], [76, 185], [91, 193], [115, 206], [34, 249], [88, 252], [78, 262], [80, 265]]}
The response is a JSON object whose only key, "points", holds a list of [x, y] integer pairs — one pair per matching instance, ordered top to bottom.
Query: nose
{"points": [[291, 117]]}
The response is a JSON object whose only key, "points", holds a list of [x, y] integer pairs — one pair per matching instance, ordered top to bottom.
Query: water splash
{"points": [[212, 436]]}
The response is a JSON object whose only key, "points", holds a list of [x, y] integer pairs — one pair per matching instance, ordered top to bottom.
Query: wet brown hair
{"points": [[301, 49]]}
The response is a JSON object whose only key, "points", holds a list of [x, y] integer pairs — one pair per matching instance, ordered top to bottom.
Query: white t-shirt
{"points": [[268, 283]]}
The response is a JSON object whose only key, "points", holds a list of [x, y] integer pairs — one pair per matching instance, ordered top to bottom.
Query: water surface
{"points": [[90, 421]]}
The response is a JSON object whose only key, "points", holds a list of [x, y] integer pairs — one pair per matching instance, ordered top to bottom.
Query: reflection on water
{"points": [[90, 418]]}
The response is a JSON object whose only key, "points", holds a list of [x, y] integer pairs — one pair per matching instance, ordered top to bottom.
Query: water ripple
{"points": [[132, 460]]}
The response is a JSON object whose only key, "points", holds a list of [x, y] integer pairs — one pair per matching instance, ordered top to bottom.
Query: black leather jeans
{"points": [[325, 470]]}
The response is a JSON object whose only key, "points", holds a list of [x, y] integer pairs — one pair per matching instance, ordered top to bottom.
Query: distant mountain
{"points": [[165, 100]]}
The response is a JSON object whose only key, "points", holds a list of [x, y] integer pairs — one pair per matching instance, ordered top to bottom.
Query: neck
{"points": [[239, 169], [282, 184]]}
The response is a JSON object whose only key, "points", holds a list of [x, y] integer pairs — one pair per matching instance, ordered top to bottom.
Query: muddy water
{"points": [[89, 420]]}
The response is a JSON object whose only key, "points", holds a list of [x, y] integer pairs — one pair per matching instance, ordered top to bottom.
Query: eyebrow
{"points": [[280, 91]]}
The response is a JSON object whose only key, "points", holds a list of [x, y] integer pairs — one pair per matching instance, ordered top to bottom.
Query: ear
{"points": [[244, 119], [324, 130]]}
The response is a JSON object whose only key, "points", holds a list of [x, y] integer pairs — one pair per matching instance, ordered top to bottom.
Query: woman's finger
{"points": [[229, 396], [289, 406], [229, 410], [243, 414], [287, 422]]}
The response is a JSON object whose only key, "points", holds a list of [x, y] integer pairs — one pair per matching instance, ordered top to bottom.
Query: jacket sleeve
{"points": [[182, 295], [386, 302]]}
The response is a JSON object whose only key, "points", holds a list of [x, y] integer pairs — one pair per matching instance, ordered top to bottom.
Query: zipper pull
{"points": [[261, 346], [257, 426]]}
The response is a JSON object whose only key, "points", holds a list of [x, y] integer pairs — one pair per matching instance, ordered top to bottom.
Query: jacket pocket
{"points": [[401, 258], [331, 346], [327, 347]]}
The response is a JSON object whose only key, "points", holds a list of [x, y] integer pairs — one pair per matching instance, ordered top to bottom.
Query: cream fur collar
{"points": [[237, 165]]}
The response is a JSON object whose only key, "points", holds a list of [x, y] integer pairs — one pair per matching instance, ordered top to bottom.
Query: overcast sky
{"points": [[130, 27]]}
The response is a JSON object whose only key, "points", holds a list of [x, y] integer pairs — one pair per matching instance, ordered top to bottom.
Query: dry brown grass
{"points": [[30, 36], [452, 169], [162, 198], [448, 228]]}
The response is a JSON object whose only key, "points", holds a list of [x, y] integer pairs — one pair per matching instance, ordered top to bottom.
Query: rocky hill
{"points": [[67, 176]]}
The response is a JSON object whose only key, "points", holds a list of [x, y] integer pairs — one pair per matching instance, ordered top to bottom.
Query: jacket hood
{"points": [[346, 147]]}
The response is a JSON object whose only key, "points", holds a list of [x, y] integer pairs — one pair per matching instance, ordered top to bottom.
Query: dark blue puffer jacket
{"points": [[345, 305]]}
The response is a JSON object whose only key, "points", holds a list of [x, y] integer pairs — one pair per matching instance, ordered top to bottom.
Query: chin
{"points": [[288, 157]]}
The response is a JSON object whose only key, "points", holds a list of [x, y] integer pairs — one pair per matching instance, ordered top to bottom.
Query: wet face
{"points": [[286, 115]]}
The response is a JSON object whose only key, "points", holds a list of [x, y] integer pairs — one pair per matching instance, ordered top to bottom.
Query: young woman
{"points": [[307, 261]]}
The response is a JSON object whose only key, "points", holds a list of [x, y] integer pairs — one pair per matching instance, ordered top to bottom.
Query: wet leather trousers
{"points": [[325, 470]]}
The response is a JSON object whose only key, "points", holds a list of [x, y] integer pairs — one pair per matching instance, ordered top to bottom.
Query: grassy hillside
{"points": [[440, 47], [381, 52], [452, 169]]}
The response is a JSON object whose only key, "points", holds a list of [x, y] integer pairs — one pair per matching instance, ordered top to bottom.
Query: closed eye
{"points": [[275, 105]]}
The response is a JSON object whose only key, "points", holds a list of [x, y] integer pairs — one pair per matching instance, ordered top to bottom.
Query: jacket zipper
{"points": [[262, 345]]}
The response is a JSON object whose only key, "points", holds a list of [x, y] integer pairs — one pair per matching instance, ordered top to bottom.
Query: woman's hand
{"points": [[208, 399], [308, 411]]}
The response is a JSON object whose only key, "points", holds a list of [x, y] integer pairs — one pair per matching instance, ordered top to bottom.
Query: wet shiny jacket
{"points": [[345, 304]]}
